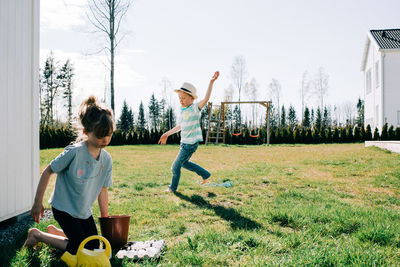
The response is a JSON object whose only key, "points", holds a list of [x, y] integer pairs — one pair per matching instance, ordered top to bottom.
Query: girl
{"points": [[83, 174]]}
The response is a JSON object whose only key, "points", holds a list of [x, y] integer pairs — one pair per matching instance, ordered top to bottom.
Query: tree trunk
{"points": [[112, 40]]}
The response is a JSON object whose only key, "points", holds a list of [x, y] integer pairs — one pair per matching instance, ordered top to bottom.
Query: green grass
{"points": [[303, 205]]}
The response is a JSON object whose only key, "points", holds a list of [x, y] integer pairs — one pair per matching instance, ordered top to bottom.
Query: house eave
{"points": [[370, 38], [389, 49], [365, 54]]}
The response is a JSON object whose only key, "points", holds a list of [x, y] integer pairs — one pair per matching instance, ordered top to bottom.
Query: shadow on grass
{"points": [[236, 220]]}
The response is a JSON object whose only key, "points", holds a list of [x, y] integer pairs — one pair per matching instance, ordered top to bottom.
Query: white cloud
{"points": [[61, 14]]}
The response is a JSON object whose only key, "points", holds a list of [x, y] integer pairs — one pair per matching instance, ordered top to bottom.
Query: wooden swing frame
{"points": [[266, 104]]}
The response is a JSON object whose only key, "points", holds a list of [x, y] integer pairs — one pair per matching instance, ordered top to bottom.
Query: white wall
{"points": [[392, 87], [373, 99], [19, 111]]}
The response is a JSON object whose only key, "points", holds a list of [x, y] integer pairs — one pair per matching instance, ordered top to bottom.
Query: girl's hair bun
{"points": [[91, 101], [96, 117]]}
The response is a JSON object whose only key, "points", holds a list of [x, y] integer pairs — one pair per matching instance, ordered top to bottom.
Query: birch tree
{"points": [[106, 17], [239, 73], [321, 86], [251, 90], [304, 91], [275, 92], [228, 96], [167, 116]]}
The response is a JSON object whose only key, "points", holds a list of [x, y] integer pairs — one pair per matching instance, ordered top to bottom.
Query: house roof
{"points": [[384, 39], [387, 39]]}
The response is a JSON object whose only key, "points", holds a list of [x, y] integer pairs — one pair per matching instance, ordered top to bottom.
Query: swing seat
{"points": [[236, 134], [255, 135]]}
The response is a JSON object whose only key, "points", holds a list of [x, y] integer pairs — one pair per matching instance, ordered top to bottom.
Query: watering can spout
{"points": [[69, 259]]}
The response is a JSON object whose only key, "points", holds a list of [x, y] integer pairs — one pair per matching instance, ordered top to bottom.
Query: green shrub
{"points": [[368, 133], [384, 133], [397, 133], [376, 134], [391, 134]]}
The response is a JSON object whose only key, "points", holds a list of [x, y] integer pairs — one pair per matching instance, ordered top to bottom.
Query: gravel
{"points": [[10, 231]]}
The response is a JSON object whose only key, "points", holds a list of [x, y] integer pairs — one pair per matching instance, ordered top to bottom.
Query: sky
{"points": [[187, 40]]}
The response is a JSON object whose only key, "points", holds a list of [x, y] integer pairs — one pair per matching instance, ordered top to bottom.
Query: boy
{"points": [[191, 133]]}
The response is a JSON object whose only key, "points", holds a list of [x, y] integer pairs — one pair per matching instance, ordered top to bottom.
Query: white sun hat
{"points": [[188, 88]]}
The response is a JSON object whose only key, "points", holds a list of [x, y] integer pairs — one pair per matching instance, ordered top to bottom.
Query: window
{"points": [[377, 74], [368, 81], [376, 114]]}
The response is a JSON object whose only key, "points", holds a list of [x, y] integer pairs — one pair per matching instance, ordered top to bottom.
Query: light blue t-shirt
{"points": [[190, 124], [80, 179]]}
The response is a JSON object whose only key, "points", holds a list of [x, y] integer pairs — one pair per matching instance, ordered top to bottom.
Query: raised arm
{"points": [[203, 102], [38, 208]]}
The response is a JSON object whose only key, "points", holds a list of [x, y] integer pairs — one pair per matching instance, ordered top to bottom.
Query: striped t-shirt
{"points": [[190, 124]]}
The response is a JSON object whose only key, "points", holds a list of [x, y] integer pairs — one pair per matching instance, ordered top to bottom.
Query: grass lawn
{"points": [[302, 205]]}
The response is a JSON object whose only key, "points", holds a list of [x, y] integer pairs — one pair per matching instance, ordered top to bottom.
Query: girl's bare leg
{"points": [[51, 229], [35, 236]]}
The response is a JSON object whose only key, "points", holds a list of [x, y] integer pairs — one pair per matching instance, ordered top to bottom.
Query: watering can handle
{"points": [[105, 241]]}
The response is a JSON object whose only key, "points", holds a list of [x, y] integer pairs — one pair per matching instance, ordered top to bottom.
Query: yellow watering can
{"points": [[89, 258]]}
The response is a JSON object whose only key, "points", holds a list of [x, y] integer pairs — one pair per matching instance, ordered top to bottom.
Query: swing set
{"points": [[266, 104]]}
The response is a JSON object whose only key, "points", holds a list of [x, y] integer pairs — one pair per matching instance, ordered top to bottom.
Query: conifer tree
{"points": [[65, 77], [50, 86], [154, 112], [360, 112], [163, 114], [273, 117], [283, 117], [312, 117], [170, 118], [237, 118], [306, 118], [318, 119], [326, 119], [141, 120], [292, 120], [125, 122], [368, 133], [397, 133], [329, 134], [357, 134], [376, 134], [384, 134], [391, 134], [297, 135], [336, 135], [343, 135], [350, 135], [308, 136]]}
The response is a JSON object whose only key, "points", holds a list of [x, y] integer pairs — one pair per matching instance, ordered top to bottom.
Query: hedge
{"points": [[52, 137]]}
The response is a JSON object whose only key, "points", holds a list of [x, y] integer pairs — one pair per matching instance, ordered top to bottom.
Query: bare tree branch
{"points": [[106, 16]]}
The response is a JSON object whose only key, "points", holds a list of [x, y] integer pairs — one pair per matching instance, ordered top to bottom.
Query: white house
{"points": [[381, 69], [19, 105]]}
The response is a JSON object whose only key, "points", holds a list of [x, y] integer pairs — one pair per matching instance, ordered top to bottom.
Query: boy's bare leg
{"points": [[51, 229], [35, 236]]}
